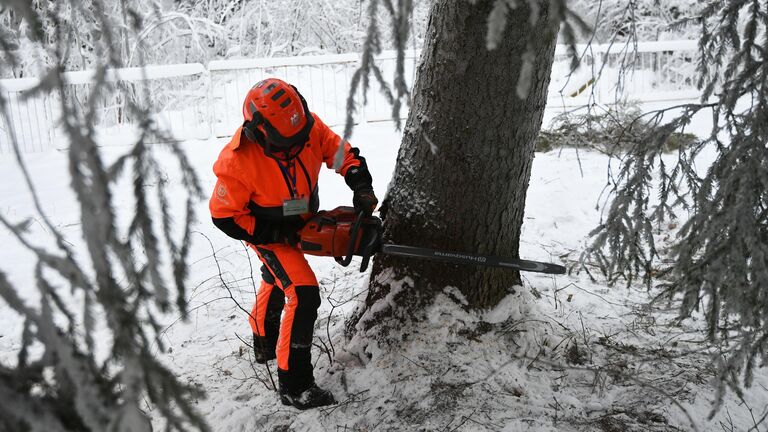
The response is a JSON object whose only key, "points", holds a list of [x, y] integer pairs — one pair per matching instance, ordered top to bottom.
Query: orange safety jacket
{"points": [[253, 186]]}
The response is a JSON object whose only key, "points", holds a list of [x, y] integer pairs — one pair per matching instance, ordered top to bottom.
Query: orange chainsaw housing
{"points": [[329, 233]]}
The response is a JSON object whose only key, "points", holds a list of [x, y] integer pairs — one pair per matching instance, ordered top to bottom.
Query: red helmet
{"points": [[277, 117]]}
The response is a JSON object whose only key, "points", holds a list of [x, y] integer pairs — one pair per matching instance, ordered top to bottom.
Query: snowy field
{"points": [[560, 353]]}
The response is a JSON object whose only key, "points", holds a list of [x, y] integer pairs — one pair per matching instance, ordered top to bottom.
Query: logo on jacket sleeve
{"points": [[221, 193]]}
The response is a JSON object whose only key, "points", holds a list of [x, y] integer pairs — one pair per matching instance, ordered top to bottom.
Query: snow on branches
{"points": [[719, 260], [88, 358]]}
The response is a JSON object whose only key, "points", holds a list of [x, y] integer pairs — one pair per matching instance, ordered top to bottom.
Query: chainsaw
{"points": [[342, 234]]}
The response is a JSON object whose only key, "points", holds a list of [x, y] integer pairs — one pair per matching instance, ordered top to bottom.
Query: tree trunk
{"points": [[465, 160]]}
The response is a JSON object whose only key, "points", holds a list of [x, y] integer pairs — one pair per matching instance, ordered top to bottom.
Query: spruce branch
{"points": [[718, 261], [118, 282]]}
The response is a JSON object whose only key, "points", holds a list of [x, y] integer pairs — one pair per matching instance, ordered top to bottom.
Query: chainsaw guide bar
{"points": [[342, 234], [466, 258]]}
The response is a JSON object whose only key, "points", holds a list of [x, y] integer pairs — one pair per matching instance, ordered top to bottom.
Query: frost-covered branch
{"points": [[718, 261], [118, 283]]}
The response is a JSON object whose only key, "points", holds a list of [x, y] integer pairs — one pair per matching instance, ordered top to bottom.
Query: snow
{"points": [[618, 47], [124, 74], [194, 101], [561, 353]]}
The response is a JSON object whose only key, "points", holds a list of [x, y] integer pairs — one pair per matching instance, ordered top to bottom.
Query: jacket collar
{"points": [[237, 139]]}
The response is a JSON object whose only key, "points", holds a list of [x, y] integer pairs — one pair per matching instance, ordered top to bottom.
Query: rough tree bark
{"points": [[465, 160]]}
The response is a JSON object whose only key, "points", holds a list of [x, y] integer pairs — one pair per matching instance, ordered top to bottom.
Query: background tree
{"points": [[638, 20], [158, 35], [125, 271]]}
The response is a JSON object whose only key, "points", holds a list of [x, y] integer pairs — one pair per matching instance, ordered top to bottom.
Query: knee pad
{"points": [[308, 297], [308, 300]]}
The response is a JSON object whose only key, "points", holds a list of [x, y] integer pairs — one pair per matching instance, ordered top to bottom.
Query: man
{"points": [[266, 190]]}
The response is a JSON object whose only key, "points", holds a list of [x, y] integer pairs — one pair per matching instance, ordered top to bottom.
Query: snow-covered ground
{"points": [[560, 353]]}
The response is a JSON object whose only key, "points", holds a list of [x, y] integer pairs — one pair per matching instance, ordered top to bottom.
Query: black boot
{"points": [[263, 350], [297, 386], [312, 397]]}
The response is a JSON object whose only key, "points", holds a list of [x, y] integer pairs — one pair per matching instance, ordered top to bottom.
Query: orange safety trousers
{"points": [[289, 286]]}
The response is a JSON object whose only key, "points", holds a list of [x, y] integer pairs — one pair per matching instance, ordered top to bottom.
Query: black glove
{"points": [[359, 180], [364, 201], [276, 231]]}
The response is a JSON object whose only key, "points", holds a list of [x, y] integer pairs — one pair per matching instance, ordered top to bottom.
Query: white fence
{"points": [[323, 80], [197, 102]]}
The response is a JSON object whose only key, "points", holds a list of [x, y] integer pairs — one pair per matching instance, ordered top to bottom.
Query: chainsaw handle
{"points": [[353, 234]]}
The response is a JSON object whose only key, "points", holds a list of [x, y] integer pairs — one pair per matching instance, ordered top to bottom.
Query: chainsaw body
{"points": [[341, 233]]}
